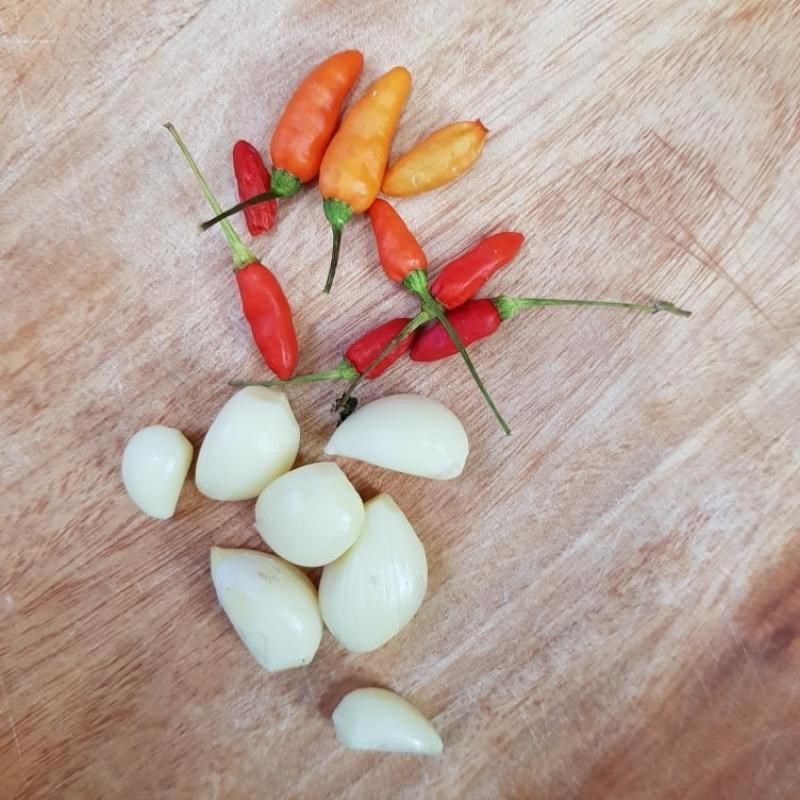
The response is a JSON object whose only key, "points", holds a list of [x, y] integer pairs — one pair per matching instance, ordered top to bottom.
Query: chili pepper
{"points": [[305, 128], [441, 157], [353, 165], [252, 178], [398, 250], [461, 279], [264, 304], [477, 319], [358, 357]]}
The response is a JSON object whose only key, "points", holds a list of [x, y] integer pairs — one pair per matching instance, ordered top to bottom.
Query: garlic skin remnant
{"points": [[404, 432], [254, 439], [154, 467], [310, 515], [371, 592], [271, 604], [377, 719]]}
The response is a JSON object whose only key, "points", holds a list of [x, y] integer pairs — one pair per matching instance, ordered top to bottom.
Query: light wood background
{"points": [[614, 599]]}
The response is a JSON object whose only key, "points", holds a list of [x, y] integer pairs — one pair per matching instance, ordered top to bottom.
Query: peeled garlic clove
{"points": [[404, 432], [252, 441], [154, 467], [310, 515], [367, 595], [272, 605], [377, 719]]}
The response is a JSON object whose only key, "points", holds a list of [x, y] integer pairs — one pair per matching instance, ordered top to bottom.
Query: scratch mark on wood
{"points": [[10, 717]]}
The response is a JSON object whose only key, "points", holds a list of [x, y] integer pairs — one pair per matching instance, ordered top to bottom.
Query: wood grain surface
{"points": [[614, 600]]}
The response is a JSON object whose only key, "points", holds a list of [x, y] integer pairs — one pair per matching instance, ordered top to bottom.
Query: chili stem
{"points": [[251, 201], [338, 214], [337, 243], [241, 255], [417, 283], [508, 306], [406, 330], [451, 332], [343, 371]]}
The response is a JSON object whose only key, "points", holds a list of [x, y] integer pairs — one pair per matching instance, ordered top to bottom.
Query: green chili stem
{"points": [[283, 184], [255, 200], [338, 213], [337, 243], [241, 255], [417, 283], [509, 306], [343, 371]]}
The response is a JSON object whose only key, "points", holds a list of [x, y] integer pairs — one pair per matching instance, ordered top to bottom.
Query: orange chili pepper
{"points": [[309, 120], [305, 128], [438, 159], [353, 165], [398, 250]]}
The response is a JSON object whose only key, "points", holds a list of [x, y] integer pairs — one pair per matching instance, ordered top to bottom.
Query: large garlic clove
{"points": [[404, 432], [252, 441], [154, 467], [310, 515], [367, 595], [272, 605], [377, 719]]}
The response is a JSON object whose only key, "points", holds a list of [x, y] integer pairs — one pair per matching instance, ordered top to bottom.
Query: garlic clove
{"points": [[406, 433], [254, 439], [154, 467], [310, 515], [371, 592], [271, 604], [377, 719]]}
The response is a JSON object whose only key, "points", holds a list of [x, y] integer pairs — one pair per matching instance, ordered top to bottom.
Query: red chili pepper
{"points": [[252, 178], [398, 250], [462, 279], [264, 304], [267, 310], [477, 319], [474, 320], [368, 347], [358, 357]]}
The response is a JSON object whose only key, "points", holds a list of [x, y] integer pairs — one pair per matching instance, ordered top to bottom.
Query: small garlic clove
{"points": [[406, 433], [254, 439], [154, 467], [310, 515], [371, 592], [272, 605], [377, 719]]}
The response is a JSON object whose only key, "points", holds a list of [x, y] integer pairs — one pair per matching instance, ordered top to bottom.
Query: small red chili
{"points": [[252, 178], [398, 250], [462, 278], [264, 304], [477, 319], [474, 320], [368, 347], [358, 357]]}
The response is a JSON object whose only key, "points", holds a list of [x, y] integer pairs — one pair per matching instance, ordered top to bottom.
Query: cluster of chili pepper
{"points": [[351, 163], [448, 303]]}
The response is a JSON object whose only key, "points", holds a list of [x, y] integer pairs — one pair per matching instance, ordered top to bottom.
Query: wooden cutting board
{"points": [[614, 595]]}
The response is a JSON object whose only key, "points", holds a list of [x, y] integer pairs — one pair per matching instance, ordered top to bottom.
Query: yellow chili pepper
{"points": [[438, 159], [353, 165]]}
